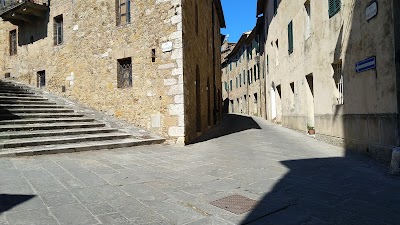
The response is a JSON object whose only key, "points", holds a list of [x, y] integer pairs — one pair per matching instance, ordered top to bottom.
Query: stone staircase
{"points": [[31, 124]]}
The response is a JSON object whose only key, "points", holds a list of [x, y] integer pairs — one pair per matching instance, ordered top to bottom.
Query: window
{"points": [[275, 6], [334, 7], [123, 11], [196, 14], [307, 29], [58, 30], [290, 37], [13, 42], [153, 55], [267, 64], [230, 66], [124, 73], [255, 73], [251, 76], [338, 76], [244, 77], [240, 80], [237, 82], [226, 86]]}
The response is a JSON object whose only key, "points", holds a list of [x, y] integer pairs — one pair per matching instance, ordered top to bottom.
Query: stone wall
{"points": [[86, 62], [242, 78], [202, 80], [302, 88]]}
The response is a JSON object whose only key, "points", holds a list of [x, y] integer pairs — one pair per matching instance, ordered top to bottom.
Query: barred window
{"points": [[123, 11], [58, 30], [13, 42], [124, 73], [338, 77]]}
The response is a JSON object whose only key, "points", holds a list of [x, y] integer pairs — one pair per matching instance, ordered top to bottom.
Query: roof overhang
{"points": [[261, 4], [220, 13]]}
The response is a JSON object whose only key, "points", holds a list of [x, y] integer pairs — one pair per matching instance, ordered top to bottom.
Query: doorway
{"points": [[310, 101]]}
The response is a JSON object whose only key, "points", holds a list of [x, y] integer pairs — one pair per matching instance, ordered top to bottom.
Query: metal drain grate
{"points": [[235, 204]]}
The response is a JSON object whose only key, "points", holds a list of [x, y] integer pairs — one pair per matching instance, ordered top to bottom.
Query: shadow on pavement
{"points": [[231, 123], [330, 191], [8, 202]]}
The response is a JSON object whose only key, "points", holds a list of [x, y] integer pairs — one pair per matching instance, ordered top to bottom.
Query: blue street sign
{"points": [[366, 64]]}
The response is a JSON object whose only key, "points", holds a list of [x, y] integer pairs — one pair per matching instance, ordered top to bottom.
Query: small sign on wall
{"points": [[372, 10], [166, 47], [366, 64]]}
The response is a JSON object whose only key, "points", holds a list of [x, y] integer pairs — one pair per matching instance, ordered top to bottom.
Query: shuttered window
{"points": [[275, 6], [334, 7], [123, 11], [290, 37]]}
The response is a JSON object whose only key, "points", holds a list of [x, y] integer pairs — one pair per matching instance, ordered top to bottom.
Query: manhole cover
{"points": [[235, 204]]}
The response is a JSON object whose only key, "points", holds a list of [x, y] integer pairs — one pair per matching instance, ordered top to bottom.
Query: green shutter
{"points": [[334, 7], [290, 37]]}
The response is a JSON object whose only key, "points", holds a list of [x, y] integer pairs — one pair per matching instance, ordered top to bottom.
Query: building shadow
{"points": [[5, 114], [231, 123], [350, 190], [8, 202]]}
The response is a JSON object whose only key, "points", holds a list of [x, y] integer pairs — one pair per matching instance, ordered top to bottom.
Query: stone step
{"points": [[10, 86], [14, 90], [16, 93], [13, 98], [17, 102], [11, 106], [33, 110], [38, 115], [45, 120], [52, 126], [51, 133], [28, 142], [77, 147]]}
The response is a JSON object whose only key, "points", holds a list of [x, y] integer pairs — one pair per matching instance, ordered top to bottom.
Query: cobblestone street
{"points": [[294, 178]]}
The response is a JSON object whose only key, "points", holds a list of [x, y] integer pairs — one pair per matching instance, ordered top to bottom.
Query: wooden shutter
{"points": [[334, 7], [128, 11], [117, 13], [290, 37]]}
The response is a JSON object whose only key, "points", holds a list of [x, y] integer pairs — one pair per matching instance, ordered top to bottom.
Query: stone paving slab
{"points": [[294, 178]]}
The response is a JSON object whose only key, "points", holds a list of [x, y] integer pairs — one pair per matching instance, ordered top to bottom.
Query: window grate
{"points": [[13, 42], [124, 73], [338, 76]]}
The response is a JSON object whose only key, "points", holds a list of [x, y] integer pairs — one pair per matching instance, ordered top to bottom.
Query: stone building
{"points": [[226, 48], [155, 64], [333, 66], [242, 79]]}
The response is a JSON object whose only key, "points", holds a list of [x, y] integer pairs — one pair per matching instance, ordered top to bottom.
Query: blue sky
{"points": [[240, 16]]}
